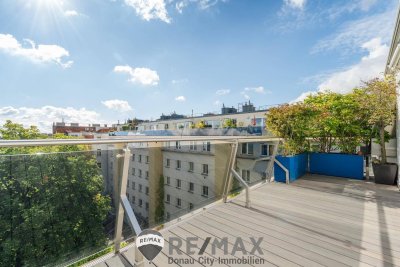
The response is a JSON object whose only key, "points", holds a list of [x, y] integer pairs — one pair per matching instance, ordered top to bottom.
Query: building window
{"points": [[178, 145], [193, 145], [207, 146], [248, 148], [264, 150], [98, 152], [133, 157], [140, 158], [147, 159], [168, 163], [99, 164], [178, 164], [111, 165], [191, 166], [205, 169], [133, 171], [140, 173], [147, 175], [246, 175], [168, 180], [178, 183], [133, 185], [191, 187], [140, 188], [147, 190], [205, 191], [168, 198], [133, 199], [140, 202], [178, 202], [147, 205], [191, 206], [168, 216]]}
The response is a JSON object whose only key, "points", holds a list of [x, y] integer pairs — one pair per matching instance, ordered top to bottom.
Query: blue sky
{"points": [[102, 60]]}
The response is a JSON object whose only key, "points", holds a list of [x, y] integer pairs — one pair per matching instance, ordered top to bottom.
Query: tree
{"points": [[380, 98], [291, 122], [229, 123], [50, 202], [160, 208]]}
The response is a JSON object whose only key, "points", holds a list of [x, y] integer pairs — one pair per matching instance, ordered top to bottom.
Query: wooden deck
{"points": [[315, 221]]}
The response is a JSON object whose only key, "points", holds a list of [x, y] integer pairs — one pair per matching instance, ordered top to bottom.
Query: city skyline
{"points": [[99, 62]]}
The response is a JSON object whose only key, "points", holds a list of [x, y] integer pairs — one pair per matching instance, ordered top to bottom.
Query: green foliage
{"points": [[379, 97], [333, 120], [291, 122], [229, 123], [200, 125], [50, 202], [160, 208]]}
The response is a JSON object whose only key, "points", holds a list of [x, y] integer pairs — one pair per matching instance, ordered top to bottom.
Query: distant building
{"points": [[228, 110], [173, 116], [80, 130]]}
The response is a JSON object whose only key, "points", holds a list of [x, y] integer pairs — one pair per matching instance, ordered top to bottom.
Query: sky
{"points": [[100, 61]]}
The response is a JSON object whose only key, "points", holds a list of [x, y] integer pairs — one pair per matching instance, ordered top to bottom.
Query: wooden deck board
{"points": [[315, 221]]}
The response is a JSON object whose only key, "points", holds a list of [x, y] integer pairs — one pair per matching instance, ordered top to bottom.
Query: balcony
{"points": [[60, 208]]}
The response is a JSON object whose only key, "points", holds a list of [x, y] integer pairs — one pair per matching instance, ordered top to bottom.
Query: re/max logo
{"points": [[176, 245]]}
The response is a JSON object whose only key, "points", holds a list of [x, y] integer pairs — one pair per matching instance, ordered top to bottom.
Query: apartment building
{"points": [[194, 172]]}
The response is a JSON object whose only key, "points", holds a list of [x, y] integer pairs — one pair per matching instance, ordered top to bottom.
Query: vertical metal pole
{"points": [[231, 164], [122, 192]]}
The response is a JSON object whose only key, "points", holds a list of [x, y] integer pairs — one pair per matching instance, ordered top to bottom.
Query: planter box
{"points": [[335, 164], [297, 166], [385, 173]]}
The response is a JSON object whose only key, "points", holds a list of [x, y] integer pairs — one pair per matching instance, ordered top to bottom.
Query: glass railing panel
{"points": [[56, 204]]}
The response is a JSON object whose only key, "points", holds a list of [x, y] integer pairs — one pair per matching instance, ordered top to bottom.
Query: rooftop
{"points": [[314, 221]]}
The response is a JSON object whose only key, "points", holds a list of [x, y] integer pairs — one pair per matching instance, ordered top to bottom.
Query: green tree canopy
{"points": [[51, 204]]}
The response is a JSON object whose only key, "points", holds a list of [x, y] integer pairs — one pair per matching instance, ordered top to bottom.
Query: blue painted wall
{"points": [[342, 165], [297, 166]]}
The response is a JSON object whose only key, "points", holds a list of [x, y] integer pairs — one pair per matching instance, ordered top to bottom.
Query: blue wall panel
{"points": [[342, 165], [297, 166]]}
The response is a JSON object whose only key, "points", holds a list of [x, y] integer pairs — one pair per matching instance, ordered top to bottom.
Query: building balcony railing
{"points": [[67, 201]]}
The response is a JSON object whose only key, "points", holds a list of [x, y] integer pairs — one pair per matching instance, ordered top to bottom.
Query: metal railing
{"points": [[123, 206]]}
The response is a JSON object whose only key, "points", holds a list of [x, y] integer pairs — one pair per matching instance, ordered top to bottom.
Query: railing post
{"points": [[231, 164], [240, 179], [122, 193]]}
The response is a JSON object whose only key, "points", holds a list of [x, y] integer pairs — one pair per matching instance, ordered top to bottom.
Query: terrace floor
{"points": [[315, 221]]}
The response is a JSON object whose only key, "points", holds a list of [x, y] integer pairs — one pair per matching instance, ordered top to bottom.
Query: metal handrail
{"points": [[133, 139], [284, 169], [246, 186]]}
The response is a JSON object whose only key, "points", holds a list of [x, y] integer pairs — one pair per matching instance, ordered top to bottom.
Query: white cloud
{"points": [[201, 4], [297, 4], [181, 5], [150, 9], [71, 13], [74, 13], [352, 35], [36, 53], [370, 66], [142, 76], [180, 81], [259, 90], [222, 92], [245, 95], [303, 96], [180, 98], [217, 103], [117, 105], [43, 117]]}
